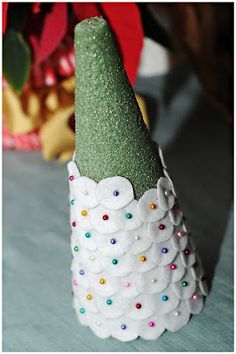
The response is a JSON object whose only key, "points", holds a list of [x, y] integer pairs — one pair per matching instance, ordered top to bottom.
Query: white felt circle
{"points": [[84, 190], [114, 192], [164, 192], [148, 207], [175, 214], [106, 221], [133, 222], [160, 231], [136, 241], [111, 245], [163, 253], [175, 270], [154, 281], [185, 292], [195, 305], [162, 307], [146, 310], [177, 318], [99, 325], [152, 332], [129, 333]]}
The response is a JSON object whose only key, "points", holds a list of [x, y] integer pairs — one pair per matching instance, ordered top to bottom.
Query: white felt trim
{"points": [[84, 190], [114, 192], [148, 207], [127, 259]]}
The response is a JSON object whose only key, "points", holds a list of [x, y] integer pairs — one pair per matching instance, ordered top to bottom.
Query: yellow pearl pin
{"points": [[152, 206], [84, 212], [143, 258], [102, 281], [89, 297]]}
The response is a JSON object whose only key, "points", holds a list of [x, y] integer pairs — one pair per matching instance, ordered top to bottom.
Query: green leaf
{"points": [[16, 59]]}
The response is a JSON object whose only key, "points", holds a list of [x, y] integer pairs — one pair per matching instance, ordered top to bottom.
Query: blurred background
{"points": [[179, 59]]}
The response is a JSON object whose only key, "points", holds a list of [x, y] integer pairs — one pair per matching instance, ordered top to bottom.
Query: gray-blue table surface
{"points": [[37, 300]]}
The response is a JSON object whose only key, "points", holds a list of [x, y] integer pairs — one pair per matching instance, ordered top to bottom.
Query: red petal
{"points": [[85, 10], [4, 16], [125, 21], [54, 29]]}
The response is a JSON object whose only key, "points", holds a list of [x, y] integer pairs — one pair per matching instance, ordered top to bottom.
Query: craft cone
{"points": [[111, 137], [135, 270]]}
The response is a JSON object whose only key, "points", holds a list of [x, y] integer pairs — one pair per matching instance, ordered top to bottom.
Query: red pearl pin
{"points": [[105, 217], [161, 227], [138, 306]]}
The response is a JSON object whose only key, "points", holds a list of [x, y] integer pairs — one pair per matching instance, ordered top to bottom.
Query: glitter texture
{"points": [[111, 137]]}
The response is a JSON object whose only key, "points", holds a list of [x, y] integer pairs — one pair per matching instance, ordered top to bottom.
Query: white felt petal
{"points": [[161, 157], [73, 170], [166, 174], [84, 190], [114, 192], [166, 198], [145, 204], [176, 214], [130, 216], [83, 221], [106, 221], [161, 230], [86, 238], [136, 241], [179, 243], [110, 244], [163, 253], [92, 260], [188, 260], [143, 262], [121, 267], [175, 270], [197, 270], [154, 281], [102, 284], [129, 285], [203, 287], [185, 292], [89, 305], [195, 305], [147, 307], [163, 307], [116, 308], [82, 316], [177, 318], [99, 325], [153, 331], [129, 333]]}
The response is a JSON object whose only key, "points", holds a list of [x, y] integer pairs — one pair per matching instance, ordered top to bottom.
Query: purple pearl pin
{"points": [[116, 193], [113, 241], [164, 250], [81, 272], [123, 326]]}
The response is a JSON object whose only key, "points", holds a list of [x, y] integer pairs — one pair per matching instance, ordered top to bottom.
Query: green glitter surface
{"points": [[111, 137]]}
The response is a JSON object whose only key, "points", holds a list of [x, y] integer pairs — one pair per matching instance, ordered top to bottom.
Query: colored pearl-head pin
{"points": [[71, 178], [85, 193], [116, 193], [167, 193], [72, 202], [152, 206], [84, 213], [128, 216], [105, 217], [74, 223], [161, 226], [180, 233], [88, 235], [137, 238], [113, 241], [76, 248], [164, 250], [186, 252], [92, 258], [143, 258], [115, 261], [173, 266], [81, 272], [154, 280], [102, 281], [126, 284], [184, 284], [194, 296], [89, 297], [164, 298], [109, 302], [138, 306], [82, 310], [176, 313], [98, 323], [151, 324], [123, 326]]}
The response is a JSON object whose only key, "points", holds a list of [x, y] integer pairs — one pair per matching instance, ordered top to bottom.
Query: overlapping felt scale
{"points": [[135, 270]]}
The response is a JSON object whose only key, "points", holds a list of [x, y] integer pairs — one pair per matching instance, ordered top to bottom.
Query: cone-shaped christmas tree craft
{"points": [[135, 271]]}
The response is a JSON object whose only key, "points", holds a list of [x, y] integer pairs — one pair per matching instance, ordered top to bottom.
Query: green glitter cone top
{"points": [[111, 136]]}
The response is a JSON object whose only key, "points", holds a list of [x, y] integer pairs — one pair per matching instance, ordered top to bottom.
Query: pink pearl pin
{"points": [[71, 178], [180, 233], [173, 266], [75, 282], [126, 284], [194, 296], [151, 324]]}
